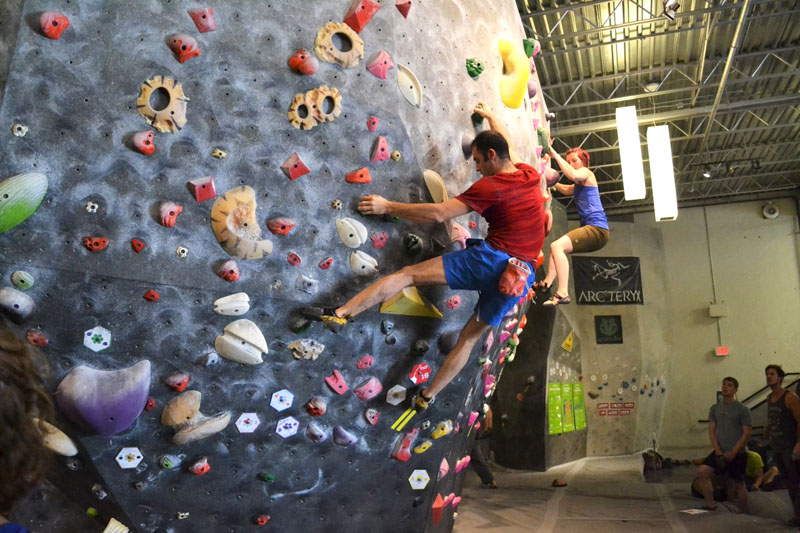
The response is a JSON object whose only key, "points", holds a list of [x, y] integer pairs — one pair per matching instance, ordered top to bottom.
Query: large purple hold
{"points": [[106, 401], [342, 437]]}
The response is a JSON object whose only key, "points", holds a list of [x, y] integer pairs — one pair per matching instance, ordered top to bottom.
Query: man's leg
{"points": [[430, 272], [458, 357], [481, 466], [789, 469], [704, 482], [741, 495]]}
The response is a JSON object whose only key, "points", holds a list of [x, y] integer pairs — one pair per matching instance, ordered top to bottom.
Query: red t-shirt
{"points": [[512, 205]]}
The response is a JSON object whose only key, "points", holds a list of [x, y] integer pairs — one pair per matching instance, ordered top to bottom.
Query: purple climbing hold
{"points": [[316, 432], [342, 437]]}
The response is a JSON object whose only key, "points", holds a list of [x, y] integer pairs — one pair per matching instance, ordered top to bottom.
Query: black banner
{"points": [[607, 280]]}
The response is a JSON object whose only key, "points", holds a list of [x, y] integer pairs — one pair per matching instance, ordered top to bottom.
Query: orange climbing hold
{"points": [[360, 13], [359, 176], [95, 244], [137, 245], [437, 509]]}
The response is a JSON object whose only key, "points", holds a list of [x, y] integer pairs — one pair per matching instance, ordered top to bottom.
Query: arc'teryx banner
{"points": [[607, 280]]}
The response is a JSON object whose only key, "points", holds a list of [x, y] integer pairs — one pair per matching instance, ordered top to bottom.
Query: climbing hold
{"points": [[403, 6], [360, 13], [204, 19], [53, 24], [184, 46], [532, 47], [328, 52], [302, 62], [380, 64], [474, 67], [514, 81], [409, 85], [533, 90], [326, 103], [299, 114], [549, 116], [171, 118], [372, 123], [19, 130], [544, 139], [143, 142], [466, 145], [380, 152], [219, 154], [396, 156], [294, 167], [551, 175], [359, 176], [435, 185], [202, 188], [20, 196], [336, 204], [92, 207], [169, 211], [390, 218], [233, 219], [281, 225], [352, 232], [459, 235], [379, 239], [95, 244], [413, 244], [137, 245], [182, 251], [294, 259], [326, 263], [363, 264], [229, 271], [22, 280], [306, 284], [151, 295], [410, 302], [453, 302], [232, 305], [299, 323], [387, 326], [36, 338], [96, 339], [391, 340], [448, 340], [242, 342], [487, 343], [420, 348], [307, 349], [211, 358], [365, 362], [420, 373], [177, 382], [336, 382], [368, 389], [396, 395], [106, 401], [150, 404], [317, 406], [183, 413], [372, 416], [247, 422], [287, 427], [445, 427], [315, 432], [342, 437], [55, 440], [423, 446], [402, 449], [129, 458], [168, 462], [462, 463], [200, 467], [444, 468], [419, 479], [99, 492], [449, 498], [181, 515], [262, 519]]}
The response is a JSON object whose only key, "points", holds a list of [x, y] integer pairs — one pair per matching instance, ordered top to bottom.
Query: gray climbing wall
{"points": [[78, 97]]}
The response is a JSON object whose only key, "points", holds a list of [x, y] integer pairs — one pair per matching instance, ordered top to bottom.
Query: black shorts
{"points": [[733, 470]]}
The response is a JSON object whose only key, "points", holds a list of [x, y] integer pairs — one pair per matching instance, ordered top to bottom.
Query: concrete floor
{"points": [[607, 494]]}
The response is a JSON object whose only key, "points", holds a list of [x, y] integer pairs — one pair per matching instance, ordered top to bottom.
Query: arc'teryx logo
{"points": [[613, 270]]}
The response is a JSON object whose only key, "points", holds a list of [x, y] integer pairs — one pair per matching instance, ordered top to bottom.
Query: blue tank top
{"points": [[590, 208], [14, 528]]}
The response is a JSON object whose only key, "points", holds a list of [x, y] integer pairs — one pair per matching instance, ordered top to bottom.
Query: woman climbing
{"points": [[593, 233]]}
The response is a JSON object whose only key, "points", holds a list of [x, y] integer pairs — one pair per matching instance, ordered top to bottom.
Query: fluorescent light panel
{"points": [[630, 153], [662, 175]]}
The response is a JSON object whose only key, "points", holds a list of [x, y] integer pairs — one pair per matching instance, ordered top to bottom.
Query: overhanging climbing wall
{"points": [[77, 97]]}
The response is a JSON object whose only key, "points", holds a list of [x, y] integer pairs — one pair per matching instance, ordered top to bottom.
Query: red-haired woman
{"points": [[593, 233]]}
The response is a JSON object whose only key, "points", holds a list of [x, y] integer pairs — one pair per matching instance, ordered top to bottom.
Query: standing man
{"points": [[509, 197], [729, 430], [783, 430]]}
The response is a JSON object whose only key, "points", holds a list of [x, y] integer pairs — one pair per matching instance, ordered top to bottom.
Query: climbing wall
{"points": [[77, 97]]}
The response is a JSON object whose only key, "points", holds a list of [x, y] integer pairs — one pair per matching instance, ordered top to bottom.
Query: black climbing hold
{"points": [[387, 326]]}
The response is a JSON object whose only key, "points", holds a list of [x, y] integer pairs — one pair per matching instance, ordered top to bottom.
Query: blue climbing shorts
{"points": [[479, 268]]}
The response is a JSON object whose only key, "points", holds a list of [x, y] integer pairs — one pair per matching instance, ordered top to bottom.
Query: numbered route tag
{"points": [[420, 373]]}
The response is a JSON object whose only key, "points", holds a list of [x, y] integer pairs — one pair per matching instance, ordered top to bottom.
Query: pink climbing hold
{"points": [[403, 6], [360, 13], [204, 19], [53, 24], [184, 46], [302, 62], [380, 64], [372, 123], [536, 123], [143, 142], [539, 151], [380, 152], [294, 167], [361, 175], [202, 188], [169, 212], [472, 224], [281, 225], [459, 235], [379, 240], [294, 259], [326, 263], [229, 271], [453, 302], [504, 336], [487, 344], [365, 362], [178, 382], [336, 382], [488, 384], [368, 389], [372, 416], [473, 416], [402, 449], [462, 463], [444, 468], [449, 498], [456, 501]]}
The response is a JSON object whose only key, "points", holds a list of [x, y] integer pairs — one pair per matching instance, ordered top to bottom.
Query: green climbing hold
{"points": [[529, 45], [474, 67], [544, 139], [20, 196], [391, 218], [22, 280], [299, 324], [267, 477], [91, 512]]}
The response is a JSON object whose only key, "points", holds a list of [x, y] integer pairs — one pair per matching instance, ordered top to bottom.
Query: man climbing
{"points": [[509, 197]]}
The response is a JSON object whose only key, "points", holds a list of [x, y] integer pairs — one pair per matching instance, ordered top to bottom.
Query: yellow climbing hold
{"points": [[514, 81], [411, 303]]}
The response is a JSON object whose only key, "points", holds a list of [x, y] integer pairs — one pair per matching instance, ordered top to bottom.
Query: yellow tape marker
{"points": [[400, 423]]}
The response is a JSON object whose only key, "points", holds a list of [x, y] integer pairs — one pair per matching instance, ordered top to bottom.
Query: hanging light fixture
{"points": [[670, 7], [630, 153], [730, 168], [707, 172], [662, 174]]}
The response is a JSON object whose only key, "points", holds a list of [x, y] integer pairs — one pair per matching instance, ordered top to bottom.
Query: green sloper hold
{"points": [[529, 45], [474, 67], [544, 140], [20, 196]]}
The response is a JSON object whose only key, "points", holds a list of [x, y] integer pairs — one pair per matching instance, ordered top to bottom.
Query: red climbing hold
{"points": [[403, 6], [360, 13], [204, 19], [53, 24], [185, 47], [303, 63], [380, 64], [372, 123], [143, 141], [380, 152], [294, 167], [359, 176], [202, 188], [169, 212], [472, 224], [280, 225], [379, 240], [95, 244], [137, 245], [294, 259], [326, 263], [229, 271], [151, 296], [36, 338], [365, 362], [420, 373], [178, 382], [336, 382], [368, 389], [150, 405], [317, 406], [402, 450], [200, 467], [437, 509], [262, 520]]}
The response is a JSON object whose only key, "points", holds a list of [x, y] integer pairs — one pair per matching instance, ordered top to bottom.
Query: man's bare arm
{"points": [[483, 109], [378, 205]]}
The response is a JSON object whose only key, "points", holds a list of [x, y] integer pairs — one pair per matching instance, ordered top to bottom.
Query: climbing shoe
{"points": [[326, 315], [422, 402]]}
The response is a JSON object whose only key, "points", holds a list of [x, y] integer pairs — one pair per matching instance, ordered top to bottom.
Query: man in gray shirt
{"points": [[729, 430]]}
